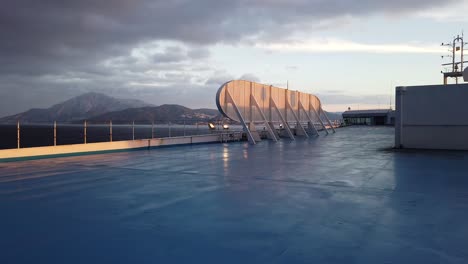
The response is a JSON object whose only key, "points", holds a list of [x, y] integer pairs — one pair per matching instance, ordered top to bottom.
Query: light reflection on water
{"points": [[225, 158]]}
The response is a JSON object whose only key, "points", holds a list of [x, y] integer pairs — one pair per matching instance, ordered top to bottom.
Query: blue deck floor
{"points": [[343, 198]]}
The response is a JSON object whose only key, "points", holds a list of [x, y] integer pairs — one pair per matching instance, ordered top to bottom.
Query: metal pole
{"points": [[462, 47], [453, 55], [269, 105], [85, 130], [110, 130], [133, 130], [55, 133], [18, 134]]}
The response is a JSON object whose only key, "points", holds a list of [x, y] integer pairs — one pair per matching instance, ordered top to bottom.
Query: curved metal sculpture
{"points": [[249, 103]]}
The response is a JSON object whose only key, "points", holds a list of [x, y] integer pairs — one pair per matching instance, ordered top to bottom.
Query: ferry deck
{"points": [[343, 198]]}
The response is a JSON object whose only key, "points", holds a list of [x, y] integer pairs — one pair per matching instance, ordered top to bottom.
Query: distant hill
{"points": [[77, 108], [207, 111], [158, 114]]}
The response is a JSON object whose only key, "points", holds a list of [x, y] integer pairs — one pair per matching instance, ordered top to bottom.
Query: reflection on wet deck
{"points": [[342, 198]]}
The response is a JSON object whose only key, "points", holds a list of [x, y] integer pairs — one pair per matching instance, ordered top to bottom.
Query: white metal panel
{"points": [[241, 92], [432, 117]]}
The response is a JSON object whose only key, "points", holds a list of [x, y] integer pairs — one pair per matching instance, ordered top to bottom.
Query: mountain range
{"points": [[77, 108], [100, 108]]}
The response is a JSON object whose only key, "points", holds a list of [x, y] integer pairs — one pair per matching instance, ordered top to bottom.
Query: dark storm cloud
{"points": [[42, 36], [60, 48]]}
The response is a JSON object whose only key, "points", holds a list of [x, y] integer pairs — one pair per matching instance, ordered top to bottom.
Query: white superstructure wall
{"points": [[432, 117]]}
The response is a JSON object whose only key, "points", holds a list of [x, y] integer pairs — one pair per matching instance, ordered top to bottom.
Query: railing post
{"points": [[110, 130], [133, 130], [85, 131], [55, 133], [18, 134]]}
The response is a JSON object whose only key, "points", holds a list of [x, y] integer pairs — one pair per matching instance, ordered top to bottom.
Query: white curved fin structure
{"points": [[250, 102]]}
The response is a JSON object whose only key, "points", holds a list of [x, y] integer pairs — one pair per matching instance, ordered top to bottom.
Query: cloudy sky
{"points": [[350, 53]]}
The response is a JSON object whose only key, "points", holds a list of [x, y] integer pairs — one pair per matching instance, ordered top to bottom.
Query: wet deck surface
{"points": [[341, 198]]}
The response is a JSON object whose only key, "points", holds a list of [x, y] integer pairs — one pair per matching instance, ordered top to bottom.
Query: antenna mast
{"points": [[456, 48]]}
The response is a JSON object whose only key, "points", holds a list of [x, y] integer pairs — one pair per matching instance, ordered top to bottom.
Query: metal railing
{"points": [[53, 134], [36, 135]]}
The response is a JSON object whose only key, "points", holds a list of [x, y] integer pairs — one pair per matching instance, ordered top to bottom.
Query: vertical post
{"points": [[462, 48], [453, 55], [296, 98], [269, 106], [285, 108], [251, 118], [133, 130], [152, 130], [85, 131], [110, 131], [55, 133], [18, 134]]}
